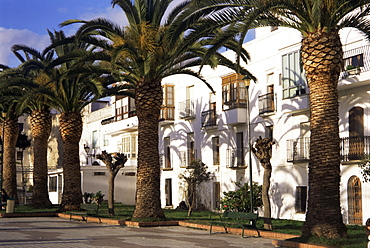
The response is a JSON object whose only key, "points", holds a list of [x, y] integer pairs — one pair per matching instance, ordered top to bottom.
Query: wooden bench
{"points": [[85, 211], [243, 220]]}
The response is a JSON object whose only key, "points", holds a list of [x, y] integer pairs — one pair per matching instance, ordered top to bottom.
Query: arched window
{"points": [[354, 201]]}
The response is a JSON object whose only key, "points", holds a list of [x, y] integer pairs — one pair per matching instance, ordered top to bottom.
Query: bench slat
{"points": [[85, 211], [241, 216]]}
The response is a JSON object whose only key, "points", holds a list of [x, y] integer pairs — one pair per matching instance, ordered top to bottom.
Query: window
{"points": [[356, 61], [294, 79], [233, 92], [125, 107], [168, 108], [269, 132], [356, 134], [94, 139], [106, 140], [129, 145], [191, 148], [239, 149], [216, 150], [167, 153], [19, 155], [99, 173], [53, 184], [168, 191], [216, 195], [300, 199], [354, 201]]}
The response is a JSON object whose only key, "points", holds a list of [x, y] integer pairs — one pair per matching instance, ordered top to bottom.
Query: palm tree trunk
{"points": [[148, 103], [40, 129], [71, 130], [10, 132], [324, 217]]}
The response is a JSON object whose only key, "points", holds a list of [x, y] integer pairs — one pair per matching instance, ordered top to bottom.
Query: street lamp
{"points": [[247, 81], [87, 150]]}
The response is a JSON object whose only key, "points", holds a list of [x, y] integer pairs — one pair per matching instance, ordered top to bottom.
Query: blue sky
{"points": [[26, 21]]}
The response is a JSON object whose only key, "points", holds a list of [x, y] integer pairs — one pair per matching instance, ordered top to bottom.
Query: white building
{"points": [[196, 124]]}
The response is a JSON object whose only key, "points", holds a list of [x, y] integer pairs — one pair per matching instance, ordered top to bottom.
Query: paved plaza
{"points": [[56, 232]]}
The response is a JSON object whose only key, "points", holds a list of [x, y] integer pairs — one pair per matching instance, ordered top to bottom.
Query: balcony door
{"points": [[356, 133]]}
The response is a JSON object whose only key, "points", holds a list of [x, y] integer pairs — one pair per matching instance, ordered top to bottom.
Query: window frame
{"points": [[294, 82]]}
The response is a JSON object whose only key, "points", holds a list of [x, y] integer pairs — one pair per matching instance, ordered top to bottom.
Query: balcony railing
{"points": [[266, 103], [187, 109], [167, 113], [209, 118], [355, 148], [298, 149], [351, 149], [186, 157], [235, 157]]}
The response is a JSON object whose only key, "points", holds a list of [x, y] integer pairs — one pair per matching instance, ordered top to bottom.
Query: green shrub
{"points": [[239, 200]]}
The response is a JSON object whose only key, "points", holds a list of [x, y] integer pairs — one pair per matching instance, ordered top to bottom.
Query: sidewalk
{"points": [[56, 232]]}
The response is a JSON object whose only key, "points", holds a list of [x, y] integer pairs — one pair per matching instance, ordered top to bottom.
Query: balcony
{"points": [[359, 58], [266, 104], [187, 109], [167, 115], [209, 118], [354, 148], [351, 149], [298, 150], [186, 157], [235, 158]]}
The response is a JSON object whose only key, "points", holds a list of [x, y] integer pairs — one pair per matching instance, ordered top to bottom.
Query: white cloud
{"points": [[115, 15], [9, 37]]}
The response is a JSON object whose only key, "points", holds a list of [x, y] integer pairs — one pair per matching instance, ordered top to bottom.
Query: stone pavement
{"points": [[56, 232]]}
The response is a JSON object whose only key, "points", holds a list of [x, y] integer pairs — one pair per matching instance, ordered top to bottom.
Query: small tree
{"points": [[262, 149], [114, 164], [194, 175], [239, 200]]}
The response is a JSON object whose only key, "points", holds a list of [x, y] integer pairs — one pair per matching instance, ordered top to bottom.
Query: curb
{"points": [[15, 215], [277, 239], [291, 244]]}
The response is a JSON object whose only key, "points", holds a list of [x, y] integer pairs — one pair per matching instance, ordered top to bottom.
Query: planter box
{"points": [[355, 71]]}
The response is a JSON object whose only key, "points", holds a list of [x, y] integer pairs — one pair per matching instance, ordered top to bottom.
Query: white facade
{"points": [[278, 107]]}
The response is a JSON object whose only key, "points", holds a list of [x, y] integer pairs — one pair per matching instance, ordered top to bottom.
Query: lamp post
{"points": [[247, 81], [87, 150]]}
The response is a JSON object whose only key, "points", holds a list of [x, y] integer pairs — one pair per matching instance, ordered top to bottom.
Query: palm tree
{"points": [[319, 22], [142, 54], [35, 76], [78, 84], [9, 101]]}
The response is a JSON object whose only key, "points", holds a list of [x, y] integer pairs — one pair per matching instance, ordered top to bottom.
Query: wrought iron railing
{"points": [[266, 103], [187, 109], [167, 113], [209, 118], [354, 148], [298, 149], [351, 149], [235, 157]]}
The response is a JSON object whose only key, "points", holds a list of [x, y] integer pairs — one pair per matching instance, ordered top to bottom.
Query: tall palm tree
{"points": [[319, 22], [143, 53], [35, 76], [79, 82], [9, 101]]}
